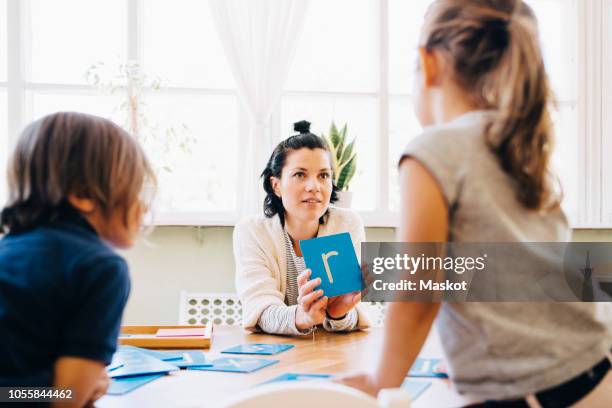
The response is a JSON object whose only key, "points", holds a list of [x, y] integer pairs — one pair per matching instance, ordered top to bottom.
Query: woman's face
{"points": [[305, 185]]}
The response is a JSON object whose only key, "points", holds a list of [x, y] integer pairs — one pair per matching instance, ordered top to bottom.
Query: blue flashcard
{"points": [[333, 259], [258, 348], [159, 354], [191, 358], [137, 363], [236, 365], [113, 366], [426, 367], [297, 377], [120, 386], [415, 388]]}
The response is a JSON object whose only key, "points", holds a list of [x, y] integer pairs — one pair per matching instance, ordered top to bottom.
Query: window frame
{"points": [[595, 130]]}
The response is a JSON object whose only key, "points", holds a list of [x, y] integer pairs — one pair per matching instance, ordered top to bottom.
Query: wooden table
{"points": [[326, 353]]}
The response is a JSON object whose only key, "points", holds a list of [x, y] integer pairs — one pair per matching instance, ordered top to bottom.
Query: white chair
{"points": [[196, 308], [201, 308], [309, 394]]}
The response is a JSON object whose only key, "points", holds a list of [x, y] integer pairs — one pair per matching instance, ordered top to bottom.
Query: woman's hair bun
{"points": [[302, 126]]}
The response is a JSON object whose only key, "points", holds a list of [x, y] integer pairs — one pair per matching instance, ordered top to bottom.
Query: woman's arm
{"points": [[424, 218], [256, 286], [277, 319], [347, 323]]}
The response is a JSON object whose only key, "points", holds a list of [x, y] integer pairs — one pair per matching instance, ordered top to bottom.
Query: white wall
{"points": [[185, 258], [201, 260]]}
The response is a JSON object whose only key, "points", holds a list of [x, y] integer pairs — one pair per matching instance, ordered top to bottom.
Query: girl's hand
{"points": [[311, 304], [339, 306], [362, 382]]}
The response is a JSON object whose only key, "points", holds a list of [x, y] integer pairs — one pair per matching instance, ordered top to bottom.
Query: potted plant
{"points": [[163, 144], [344, 159]]}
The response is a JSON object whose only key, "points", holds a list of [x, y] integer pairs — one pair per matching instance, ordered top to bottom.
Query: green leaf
{"points": [[343, 132], [334, 136], [341, 143], [347, 154], [344, 164], [346, 174]]}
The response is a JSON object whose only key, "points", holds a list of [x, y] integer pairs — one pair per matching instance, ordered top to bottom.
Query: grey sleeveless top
{"points": [[502, 350]]}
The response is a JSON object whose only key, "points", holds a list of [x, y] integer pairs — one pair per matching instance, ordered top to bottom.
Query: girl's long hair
{"points": [[493, 48]]}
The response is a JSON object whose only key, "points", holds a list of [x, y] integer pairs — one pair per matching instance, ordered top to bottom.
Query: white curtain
{"points": [[259, 38]]}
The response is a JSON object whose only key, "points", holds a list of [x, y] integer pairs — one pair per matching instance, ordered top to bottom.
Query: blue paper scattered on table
{"points": [[332, 258], [258, 348], [159, 354], [191, 358], [135, 362], [236, 365], [113, 366], [426, 367], [297, 377], [120, 386], [415, 388]]}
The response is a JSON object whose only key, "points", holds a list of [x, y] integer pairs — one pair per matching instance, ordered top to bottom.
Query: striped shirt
{"points": [[281, 319]]}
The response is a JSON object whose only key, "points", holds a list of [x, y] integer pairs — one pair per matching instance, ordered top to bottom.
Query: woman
{"points": [[480, 173], [271, 278]]}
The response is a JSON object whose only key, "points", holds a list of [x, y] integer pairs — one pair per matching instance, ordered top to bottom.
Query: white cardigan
{"points": [[261, 262]]}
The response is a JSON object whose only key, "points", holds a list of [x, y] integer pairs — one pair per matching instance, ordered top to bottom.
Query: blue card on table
{"points": [[332, 258], [258, 348], [159, 354], [191, 358], [137, 363], [236, 365], [113, 366], [426, 367], [297, 377], [120, 386], [415, 388]]}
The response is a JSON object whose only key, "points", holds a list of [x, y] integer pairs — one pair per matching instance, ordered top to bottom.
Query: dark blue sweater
{"points": [[62, 293]]}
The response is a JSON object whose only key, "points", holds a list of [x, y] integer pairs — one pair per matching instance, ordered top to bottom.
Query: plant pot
{"points": [[344, 199]]}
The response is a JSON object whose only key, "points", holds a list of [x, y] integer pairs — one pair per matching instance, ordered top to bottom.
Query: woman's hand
{"points": [[311, 304], [339, 306], [362, 382]]}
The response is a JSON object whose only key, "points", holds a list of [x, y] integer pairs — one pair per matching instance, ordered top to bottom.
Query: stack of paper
{"points": [[133, 367]]}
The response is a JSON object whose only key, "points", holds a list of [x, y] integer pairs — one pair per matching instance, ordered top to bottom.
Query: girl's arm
{"points": [[424, 218], [86, 379]]}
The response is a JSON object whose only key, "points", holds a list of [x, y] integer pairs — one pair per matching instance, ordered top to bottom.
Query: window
{"points": [[353, 64], [360, 72], [191, 123], [606, 145]]}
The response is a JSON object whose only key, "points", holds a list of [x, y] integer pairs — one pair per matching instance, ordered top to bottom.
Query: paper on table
{"points": [[189, 332], [258, 348], [137, 363], [236, 365], [120, 386]]}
